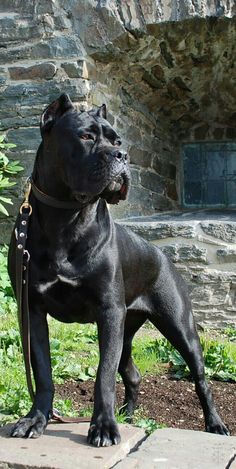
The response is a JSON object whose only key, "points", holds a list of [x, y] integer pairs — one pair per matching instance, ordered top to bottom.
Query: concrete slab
{"points": [[64, 446], [170, 448]]}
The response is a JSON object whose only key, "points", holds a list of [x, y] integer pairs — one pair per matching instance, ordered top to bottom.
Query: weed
{"points": [[149, 425]]}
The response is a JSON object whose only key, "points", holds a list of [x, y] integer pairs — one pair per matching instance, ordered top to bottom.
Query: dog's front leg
{"points": [[35, 422], [103, 429]]}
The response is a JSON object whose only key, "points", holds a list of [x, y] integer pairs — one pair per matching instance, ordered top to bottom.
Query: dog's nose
{"points": [[120, 156]]}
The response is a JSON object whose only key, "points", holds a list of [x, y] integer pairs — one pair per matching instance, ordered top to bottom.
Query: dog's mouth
{"points": [[117, 189]]}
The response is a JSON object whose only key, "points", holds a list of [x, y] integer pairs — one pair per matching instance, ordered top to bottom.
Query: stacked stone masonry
{"points": [[166, 71], [204, 251]]}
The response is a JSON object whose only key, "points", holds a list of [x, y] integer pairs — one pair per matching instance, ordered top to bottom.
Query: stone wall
{"points": [[165, 69]]}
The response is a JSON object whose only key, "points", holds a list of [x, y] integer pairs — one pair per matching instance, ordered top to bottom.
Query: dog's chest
{"points": [[64, 288]]}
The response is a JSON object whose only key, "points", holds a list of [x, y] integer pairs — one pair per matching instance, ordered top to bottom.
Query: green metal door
{"points": [[209, 173]]}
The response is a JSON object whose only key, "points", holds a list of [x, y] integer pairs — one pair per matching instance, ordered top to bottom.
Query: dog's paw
{"points": [[215, 425], [30, 427], [103, 433]]}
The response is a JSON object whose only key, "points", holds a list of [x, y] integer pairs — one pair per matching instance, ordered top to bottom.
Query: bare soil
{"points": [[164, 399]]}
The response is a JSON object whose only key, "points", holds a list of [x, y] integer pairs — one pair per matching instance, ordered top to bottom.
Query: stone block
{"points": [[15, 29], [58, 47], [53, 48], [166, 54], [76, 69], [43, 70], [2, 80], [154, 82], [42, 93], [17, 121], [201, 132], [218, 133], [231, 133], [133, 134], [24, 138], [140, 157], [163, 168], [135, 176], [152, 181], [171, 190], [141, 196], [161, 202], [156, 230], [185, 230], [225, 231], [171, 251], [185, 253], [192, 253], [226, 255], [214, 276], [211, 295], [201, 296], [214, 317], [64, 446], [170, 448]]}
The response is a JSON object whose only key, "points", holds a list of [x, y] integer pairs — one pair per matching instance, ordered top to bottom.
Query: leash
{"points": [[22, 284]]}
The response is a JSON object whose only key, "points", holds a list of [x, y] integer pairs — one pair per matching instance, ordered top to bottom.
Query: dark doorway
{"points": [[209, 173]]}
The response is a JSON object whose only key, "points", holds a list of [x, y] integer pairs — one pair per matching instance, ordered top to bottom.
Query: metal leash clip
{"points": [[26, 205]]}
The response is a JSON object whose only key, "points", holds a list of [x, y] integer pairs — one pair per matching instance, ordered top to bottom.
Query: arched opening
{"points": [[174, 85]]}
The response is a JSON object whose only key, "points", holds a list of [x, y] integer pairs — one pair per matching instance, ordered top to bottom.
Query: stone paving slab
{"points": [[64, 446], [170, 448]]}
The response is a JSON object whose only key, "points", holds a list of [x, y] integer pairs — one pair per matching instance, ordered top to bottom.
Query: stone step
{"points": [[211, 225], [64, 446], [170, 448]]}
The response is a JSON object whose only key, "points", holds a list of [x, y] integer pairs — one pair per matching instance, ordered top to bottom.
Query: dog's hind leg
{"points": [[173, 317], [127, 369], [35, 422]]}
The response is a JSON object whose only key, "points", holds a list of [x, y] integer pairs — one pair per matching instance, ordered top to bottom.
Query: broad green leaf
{"points": [[2, 138], [6, 200], [3, 210]]}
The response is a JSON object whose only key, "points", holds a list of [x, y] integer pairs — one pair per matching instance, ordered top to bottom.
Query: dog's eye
{"points": [[87, 137], [118, 142]]}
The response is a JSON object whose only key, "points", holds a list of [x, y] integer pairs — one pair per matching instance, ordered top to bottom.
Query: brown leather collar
{"points": [[52, 201]]}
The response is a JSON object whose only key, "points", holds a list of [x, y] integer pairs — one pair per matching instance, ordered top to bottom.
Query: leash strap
{"points": [[22, 274], [22, 297]]}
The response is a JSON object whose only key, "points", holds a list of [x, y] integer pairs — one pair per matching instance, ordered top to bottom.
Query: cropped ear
{"points": [[55, 110], [102, 111]]}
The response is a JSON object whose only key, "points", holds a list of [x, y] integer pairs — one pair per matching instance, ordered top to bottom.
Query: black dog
{"points": [[85, 268]]}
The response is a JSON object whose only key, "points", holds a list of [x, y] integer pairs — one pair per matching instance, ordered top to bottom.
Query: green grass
{"points": [[74, 352]]}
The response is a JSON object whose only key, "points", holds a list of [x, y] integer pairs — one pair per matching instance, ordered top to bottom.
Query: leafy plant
{"points": [[7, 169], [7, 302], [230, 332], [218, 362], [65, 407], [149, 425]]}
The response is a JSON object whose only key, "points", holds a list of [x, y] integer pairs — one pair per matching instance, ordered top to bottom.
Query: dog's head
{"points": [[86, 152]]}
